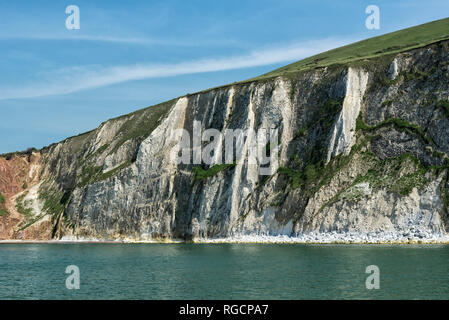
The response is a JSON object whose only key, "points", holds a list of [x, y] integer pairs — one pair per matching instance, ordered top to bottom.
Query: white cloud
{"points": [[98, 38], [124, 40], [69, 80]]}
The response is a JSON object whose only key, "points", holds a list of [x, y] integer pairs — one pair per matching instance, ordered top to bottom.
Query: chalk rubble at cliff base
{"points": [[332, 237]]}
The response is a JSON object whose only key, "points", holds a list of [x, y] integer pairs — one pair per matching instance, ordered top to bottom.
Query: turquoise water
{"points": [[223, 271]]}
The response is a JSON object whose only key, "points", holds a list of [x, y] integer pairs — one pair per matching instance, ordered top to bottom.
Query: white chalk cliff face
{"points": [[344, 130], [336, 176]]}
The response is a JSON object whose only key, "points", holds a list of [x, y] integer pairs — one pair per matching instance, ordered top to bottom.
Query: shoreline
{"points": [[343, 239], [413, 242]]}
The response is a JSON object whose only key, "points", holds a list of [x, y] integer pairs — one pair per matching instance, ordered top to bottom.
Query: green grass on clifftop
{"points": [[390, 43], [141, 123]]}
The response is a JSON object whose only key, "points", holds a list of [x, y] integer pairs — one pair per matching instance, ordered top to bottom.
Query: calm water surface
{"points": [[223, 271]]}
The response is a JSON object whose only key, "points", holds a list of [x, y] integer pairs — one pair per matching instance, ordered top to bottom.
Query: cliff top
{"points": [[390, 43]]}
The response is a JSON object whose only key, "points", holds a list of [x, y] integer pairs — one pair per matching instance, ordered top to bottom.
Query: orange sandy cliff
{"points": [[15, 179]]}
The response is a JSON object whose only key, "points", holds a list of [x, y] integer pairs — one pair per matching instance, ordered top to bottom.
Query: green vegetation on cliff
{"points": [[444, 104], [141, 123], [399, 123], [201, 173], [91, 174], [310, 174], [399, 175], [53, 200], [22, 206], [3, 211]]}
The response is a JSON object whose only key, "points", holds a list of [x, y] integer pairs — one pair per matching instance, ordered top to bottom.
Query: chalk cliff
{"points": [[363, 150]]}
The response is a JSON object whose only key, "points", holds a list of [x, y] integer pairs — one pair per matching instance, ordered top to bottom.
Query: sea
{"points": [[223, 271]]}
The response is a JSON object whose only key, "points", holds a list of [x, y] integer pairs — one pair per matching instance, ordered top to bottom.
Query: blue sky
{"points": [[127, 55]]}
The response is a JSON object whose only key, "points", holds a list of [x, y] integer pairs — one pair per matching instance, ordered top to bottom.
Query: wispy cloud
{"points": [[125, 40], [74, 79]]}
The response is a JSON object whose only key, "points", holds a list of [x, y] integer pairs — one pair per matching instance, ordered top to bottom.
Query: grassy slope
{"points": [[395, 42], [141, 123]]}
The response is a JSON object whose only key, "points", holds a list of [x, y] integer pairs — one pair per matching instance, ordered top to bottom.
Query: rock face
{"points": [[343, 135], [363, 149]]}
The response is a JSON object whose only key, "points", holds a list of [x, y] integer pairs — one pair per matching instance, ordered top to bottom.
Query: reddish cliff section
{"points": [[16, 176]]}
